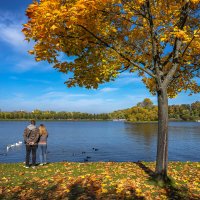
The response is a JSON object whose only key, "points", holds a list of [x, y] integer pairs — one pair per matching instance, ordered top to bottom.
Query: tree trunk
{"points": [[162, 143]]}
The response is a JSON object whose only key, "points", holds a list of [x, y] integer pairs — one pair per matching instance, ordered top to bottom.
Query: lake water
{"points": [[113, 141]]}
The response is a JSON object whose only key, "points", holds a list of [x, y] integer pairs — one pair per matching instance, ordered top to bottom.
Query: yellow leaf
{"points": [[54, 27], [31, 52], [38, 59], [104, 190]]}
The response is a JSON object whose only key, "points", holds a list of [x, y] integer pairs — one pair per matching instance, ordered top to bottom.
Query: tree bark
{"points": [[162, 142]]}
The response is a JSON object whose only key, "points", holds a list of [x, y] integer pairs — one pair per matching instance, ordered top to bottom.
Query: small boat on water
{"points": [[119, 120]]}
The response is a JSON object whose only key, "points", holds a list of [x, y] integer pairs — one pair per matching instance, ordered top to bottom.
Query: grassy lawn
{"points": [[99, 180]]}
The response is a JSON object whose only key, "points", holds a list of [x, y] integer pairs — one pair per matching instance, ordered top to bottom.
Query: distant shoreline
{"points": [[57, 120]]}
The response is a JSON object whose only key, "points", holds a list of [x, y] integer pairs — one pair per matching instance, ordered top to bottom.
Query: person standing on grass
{"points": [[31, 136], [42, 144]]}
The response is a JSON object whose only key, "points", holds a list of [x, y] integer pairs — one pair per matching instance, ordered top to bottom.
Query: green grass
{"points": [[99, 180]]}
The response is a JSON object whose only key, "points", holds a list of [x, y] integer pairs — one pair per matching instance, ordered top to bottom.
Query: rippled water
{"points": [[113, 141]]}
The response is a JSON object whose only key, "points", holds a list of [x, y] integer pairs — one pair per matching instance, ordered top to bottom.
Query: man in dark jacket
{"points": [[31, 136]]}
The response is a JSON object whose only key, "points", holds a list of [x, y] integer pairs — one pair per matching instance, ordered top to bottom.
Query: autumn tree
{"points": [[158, 39], [146, 103]]}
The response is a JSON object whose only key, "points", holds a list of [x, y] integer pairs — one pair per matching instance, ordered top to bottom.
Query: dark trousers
{"points": [[29, 149]]}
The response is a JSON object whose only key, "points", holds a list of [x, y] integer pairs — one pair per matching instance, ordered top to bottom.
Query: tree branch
{"points": [[189, 44], [177, 46], [155, 52], [119, 53], [185, 70]]}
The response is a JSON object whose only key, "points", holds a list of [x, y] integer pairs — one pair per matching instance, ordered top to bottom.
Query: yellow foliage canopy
{"points": [[158, 39]]}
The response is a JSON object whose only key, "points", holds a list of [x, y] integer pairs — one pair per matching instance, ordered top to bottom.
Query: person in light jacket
{"points": [[31, 136], [42, 144]]}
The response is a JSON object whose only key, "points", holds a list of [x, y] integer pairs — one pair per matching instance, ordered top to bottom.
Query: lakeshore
{"points": [[98, 180]]}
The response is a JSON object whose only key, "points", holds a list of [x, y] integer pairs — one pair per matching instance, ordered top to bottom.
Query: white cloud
{"points": [[10, 34], [13, 36], [28, 63], [25, 65], [31, 80], [128, 80], [108, 89], [19, 95], [60, 95], [140, 97], [63, 101], [96, 105]]}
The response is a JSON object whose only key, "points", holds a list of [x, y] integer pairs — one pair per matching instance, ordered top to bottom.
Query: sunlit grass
{"points": [[98, 180]]}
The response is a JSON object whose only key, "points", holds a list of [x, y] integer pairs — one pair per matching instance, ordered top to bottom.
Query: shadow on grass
{"points": [[84, 189], [92, 190], [28, 191], [78, 191], [172, 191]]}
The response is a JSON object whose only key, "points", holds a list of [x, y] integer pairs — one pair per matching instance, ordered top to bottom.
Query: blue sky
{"points": [[28, 85]]}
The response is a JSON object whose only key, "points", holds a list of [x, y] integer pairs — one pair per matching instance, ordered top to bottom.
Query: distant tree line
{"points": [[143, 111], [146, 111], [52, 115]]}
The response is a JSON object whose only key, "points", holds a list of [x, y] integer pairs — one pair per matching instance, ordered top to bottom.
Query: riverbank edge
{"points": [[96, 162]]}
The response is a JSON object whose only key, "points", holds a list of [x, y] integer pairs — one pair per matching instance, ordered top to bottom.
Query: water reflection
{"points": [[144, 128], [147, 132]]}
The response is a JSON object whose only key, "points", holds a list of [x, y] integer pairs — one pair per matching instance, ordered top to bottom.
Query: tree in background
{"points": [[158, 39], [146, 103]]}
